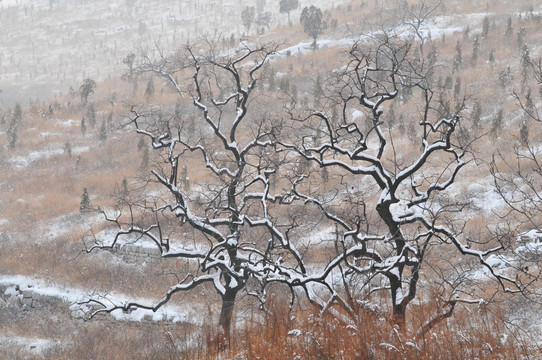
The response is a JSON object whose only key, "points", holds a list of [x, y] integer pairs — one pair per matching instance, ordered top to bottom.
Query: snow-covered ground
{"points": [[18, 284], [30, 344]]}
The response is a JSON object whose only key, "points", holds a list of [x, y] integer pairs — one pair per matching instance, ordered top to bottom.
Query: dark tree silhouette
{"points": [[286, 6], [313, 24]]}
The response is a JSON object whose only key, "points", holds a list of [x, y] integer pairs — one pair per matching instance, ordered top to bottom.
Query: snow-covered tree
{"points": [[391, 209], [239, 236]]}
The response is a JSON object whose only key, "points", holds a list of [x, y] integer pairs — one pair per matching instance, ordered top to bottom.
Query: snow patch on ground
{"points": [[444, 25], [306, 47], [357, 114], [67, 123], [24, 161], [484, 196], [64, 224], [533, 235], [322, 236], [530, 250], [499, 261], [168, 312], [33, 345]]}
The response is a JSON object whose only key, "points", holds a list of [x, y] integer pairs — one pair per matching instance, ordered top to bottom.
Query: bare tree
{"points": [[418, 14], [517, 179], [389, 204], [237, 238]]}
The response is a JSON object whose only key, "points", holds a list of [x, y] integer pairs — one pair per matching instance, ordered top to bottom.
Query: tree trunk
{"points": [[228, 302], [398, 306], [399, 317]]}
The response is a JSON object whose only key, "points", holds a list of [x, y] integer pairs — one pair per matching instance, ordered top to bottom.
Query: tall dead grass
{"points": [[472, 333]]}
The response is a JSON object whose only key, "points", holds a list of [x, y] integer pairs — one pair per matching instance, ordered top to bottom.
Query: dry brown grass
{"points": [[472, 333]]}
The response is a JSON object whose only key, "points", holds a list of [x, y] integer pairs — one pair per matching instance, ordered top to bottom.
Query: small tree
{"points": [[286, 6], [417, 15], [247, 16], [263, 21], [313, 25], [485, 27], [509, 29], [475, 51], [491, 57], [458, 58], [129, 61], [506, 77], [457, 87], [86, 88], [149, 89], [318, 91], [528, 107], [91, 115], [476, 115], [110, 120], [13, 126], [83, 126], [496, 126], [102, 135], [141, 144], [68, 148], [85, 201]]}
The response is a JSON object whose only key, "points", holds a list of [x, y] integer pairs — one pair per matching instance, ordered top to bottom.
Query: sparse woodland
{"points": [[366, 190]]}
